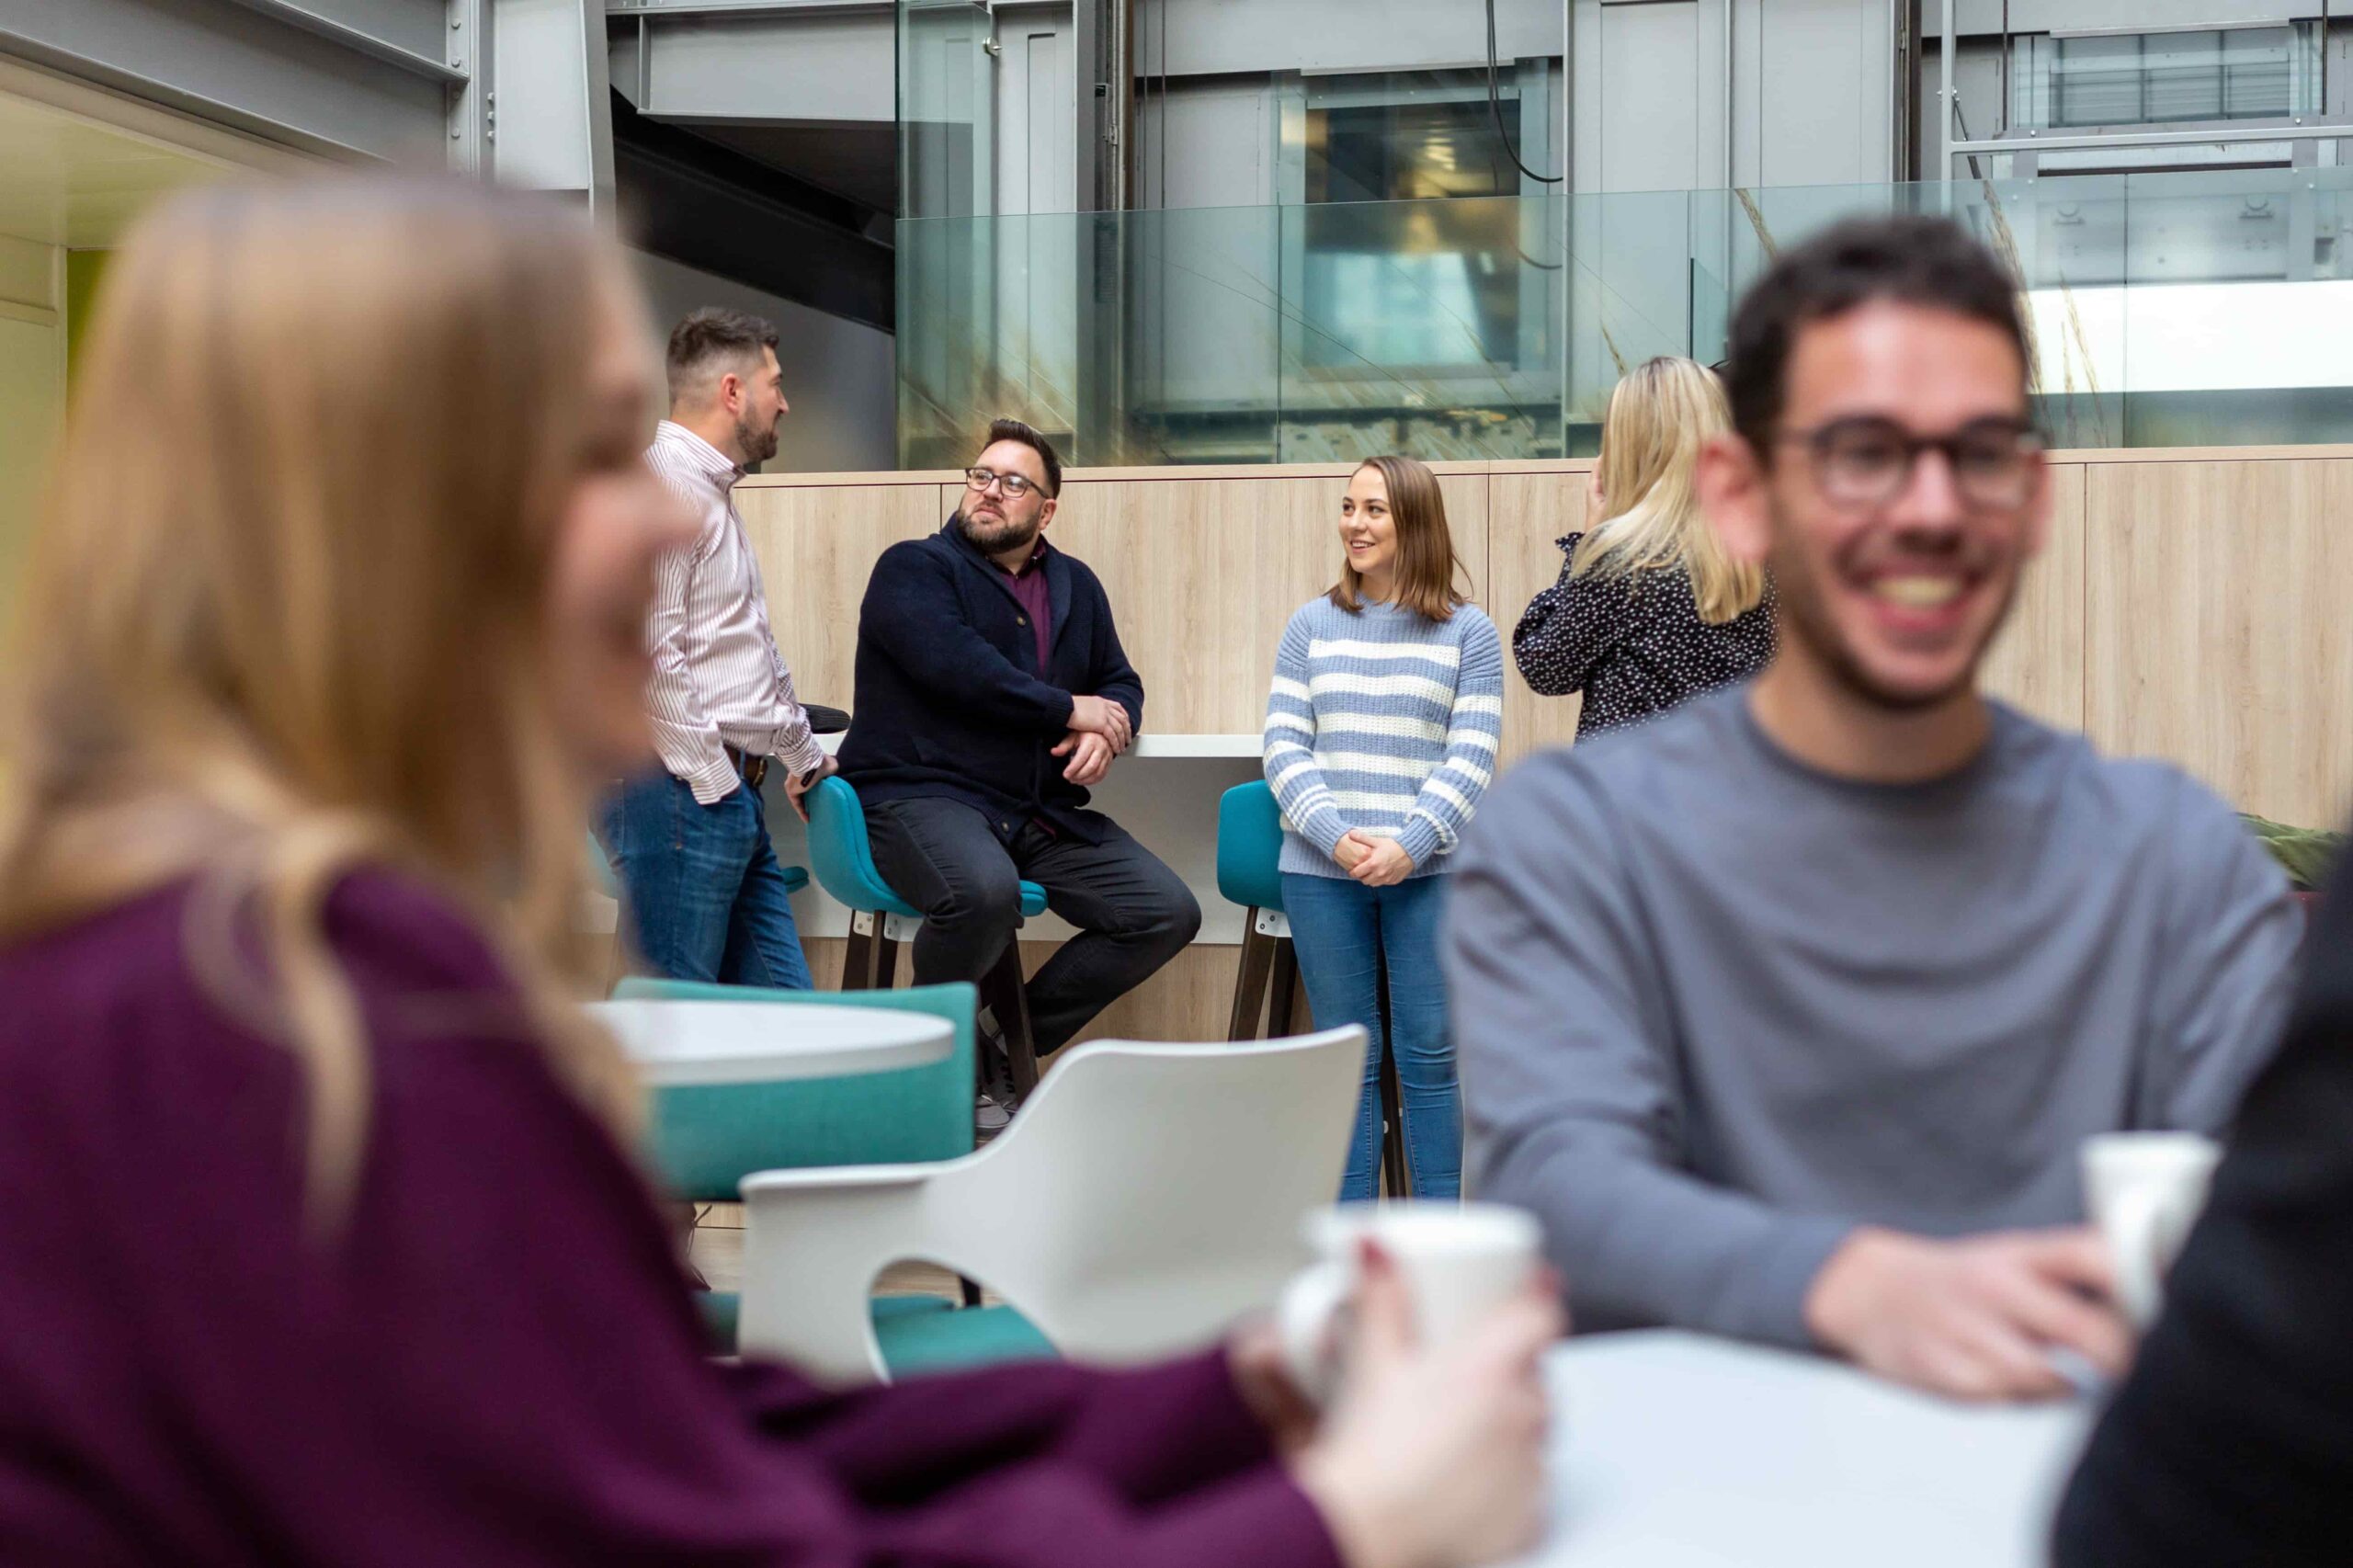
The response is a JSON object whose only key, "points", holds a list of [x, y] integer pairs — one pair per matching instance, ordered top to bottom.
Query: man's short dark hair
{"points": [[1910, 259], [712, 335], [1015, 430]]}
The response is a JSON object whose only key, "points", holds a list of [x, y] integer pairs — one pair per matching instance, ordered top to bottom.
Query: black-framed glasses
{"points": [[1867, 461], [978, 479]]}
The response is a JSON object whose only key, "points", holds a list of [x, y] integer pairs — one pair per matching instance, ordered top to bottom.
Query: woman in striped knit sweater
{"points": [[1381, 735]]}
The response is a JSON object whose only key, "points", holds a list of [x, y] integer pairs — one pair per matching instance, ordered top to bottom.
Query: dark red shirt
{"points": [[1030, 588], [495, 1361]]}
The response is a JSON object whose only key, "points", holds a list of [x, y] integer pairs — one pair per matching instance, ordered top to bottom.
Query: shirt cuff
{"points": [[806, 755], [705, 771]]}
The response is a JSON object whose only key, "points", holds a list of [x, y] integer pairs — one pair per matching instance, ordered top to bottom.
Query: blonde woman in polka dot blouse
{"points": [[1649, 610]]}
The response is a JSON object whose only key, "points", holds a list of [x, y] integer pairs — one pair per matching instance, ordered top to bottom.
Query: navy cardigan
{"points": [[950, 702]]}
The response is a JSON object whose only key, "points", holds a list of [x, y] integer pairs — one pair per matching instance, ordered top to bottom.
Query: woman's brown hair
{"points": [[1426, 564], [287, 609]]}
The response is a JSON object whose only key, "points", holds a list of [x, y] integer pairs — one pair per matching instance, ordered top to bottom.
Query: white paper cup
{"points": [[2144, 1191], [1460, 1262]]}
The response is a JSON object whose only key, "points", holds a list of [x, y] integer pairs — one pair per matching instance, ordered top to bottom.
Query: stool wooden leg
{"points": [[859, 955], [886, 961], [1250, 980], [1282, 988], [1009, 998], [1392, 1138], [1394, 1165]]}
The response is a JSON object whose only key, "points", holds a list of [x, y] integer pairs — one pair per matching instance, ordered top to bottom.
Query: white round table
{"points": [[678, 1043], [1676, 1451]]}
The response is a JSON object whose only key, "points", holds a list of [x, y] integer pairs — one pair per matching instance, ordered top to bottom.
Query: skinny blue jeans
{"points": [[1346, 935]]}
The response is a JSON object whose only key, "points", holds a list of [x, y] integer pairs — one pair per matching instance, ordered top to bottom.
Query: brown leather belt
{"points": [[755, 770]]}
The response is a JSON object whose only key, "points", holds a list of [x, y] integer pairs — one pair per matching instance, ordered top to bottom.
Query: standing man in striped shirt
{"points": [[690, 843]]}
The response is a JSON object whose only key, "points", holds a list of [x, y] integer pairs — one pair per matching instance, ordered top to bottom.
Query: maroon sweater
{"points": [[495, 1361]]}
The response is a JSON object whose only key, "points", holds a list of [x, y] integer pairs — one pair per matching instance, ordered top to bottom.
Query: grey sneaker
{"points": [[990, 1117]]}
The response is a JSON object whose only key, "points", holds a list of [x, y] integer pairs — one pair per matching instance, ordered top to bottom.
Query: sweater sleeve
{"points": [[911, 615], [1567, 629], [684, 732], [1299, 784], [1442, 807], [2231, 932], [1572, 1094], [2230, 1439]]}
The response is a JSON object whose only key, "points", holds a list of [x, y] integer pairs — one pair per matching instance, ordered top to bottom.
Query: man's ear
{"points": [[728, 392], [1732, 487], [1046, 512]]}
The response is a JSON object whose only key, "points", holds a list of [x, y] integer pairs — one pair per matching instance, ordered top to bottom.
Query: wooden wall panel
{"points": [[1527, 512], [816, 547], [1174, 556], [1203, 575], [2185, 607], [2215, 632], [2037, 661], [1190, 999]]}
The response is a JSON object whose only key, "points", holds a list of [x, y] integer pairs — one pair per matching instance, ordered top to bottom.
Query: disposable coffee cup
{"points": [[2144, 1191], [1458, 1261]]}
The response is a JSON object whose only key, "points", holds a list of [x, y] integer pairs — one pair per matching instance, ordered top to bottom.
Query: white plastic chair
{"points": [[1146, 1197]]}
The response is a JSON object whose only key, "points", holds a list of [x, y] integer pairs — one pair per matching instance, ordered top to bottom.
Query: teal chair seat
{"points": [[1250, 847], [844, 856], [881, 920], [707, 1137], [917, 1333], [924, 1333]]}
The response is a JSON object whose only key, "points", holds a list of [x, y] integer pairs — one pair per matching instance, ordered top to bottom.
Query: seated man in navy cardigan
{"points": [[992, 691]]}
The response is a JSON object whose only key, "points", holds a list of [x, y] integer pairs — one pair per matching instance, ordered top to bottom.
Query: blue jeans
{"points": [[704, 895], [1347, 935]]}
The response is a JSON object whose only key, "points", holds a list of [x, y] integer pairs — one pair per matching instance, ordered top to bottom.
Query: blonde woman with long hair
{"points": [[1650, 610], [320, 1238]]}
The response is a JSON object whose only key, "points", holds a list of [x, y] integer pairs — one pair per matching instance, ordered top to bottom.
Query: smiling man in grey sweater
{"points": [[1787, 1012]]}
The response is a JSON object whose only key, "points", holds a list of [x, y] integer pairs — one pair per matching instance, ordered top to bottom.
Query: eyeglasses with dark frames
{"points": [[1867, 461], [1015, 485]]}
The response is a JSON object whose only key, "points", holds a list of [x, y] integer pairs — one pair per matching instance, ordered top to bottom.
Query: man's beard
{"points": [[756, 445], [995, 538], [1804, 619]]}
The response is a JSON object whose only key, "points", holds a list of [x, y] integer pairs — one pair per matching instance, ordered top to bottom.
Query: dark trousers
{"points": [[706, 898], [1134, 912]]}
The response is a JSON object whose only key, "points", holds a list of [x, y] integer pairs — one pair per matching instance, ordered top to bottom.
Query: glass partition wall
{"points": [[2167, 309]]}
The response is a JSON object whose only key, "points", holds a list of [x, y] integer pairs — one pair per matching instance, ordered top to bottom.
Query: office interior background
{"points": [[1247, 232]]}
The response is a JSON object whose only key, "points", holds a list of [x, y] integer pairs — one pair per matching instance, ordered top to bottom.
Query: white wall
{"points": [[839, 376]]}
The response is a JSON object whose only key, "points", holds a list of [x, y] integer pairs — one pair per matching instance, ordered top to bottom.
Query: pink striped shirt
{"points": [[718, 680]]}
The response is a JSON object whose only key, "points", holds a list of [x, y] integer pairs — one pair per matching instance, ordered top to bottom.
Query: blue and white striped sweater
{"points": [[1383, 722]]}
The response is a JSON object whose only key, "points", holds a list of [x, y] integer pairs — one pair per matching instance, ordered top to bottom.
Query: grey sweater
{"points": [[1714, 1009]]}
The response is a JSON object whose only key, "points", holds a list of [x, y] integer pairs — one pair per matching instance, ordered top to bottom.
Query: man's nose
{"points": [[1930, 500]]}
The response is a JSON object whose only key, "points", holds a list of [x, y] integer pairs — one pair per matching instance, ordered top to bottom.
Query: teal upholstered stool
{"points": [[1249, 846], [1249, 855], [881, 920], [706, 1137]]}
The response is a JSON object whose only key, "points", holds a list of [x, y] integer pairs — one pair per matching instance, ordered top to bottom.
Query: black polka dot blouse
{"points": [[1634, 645]]}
